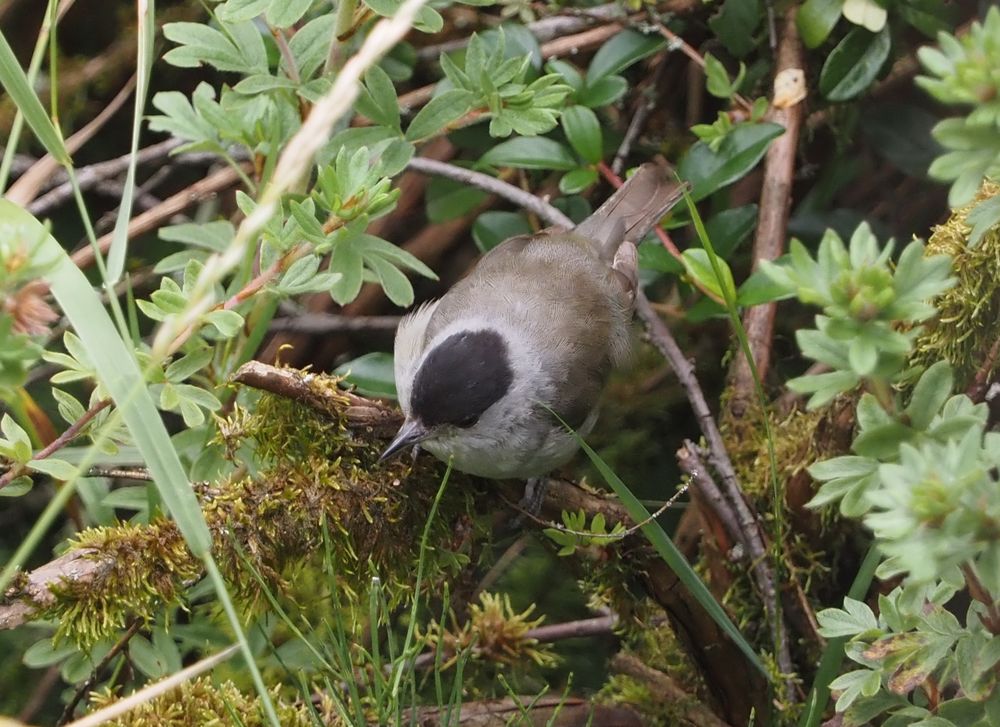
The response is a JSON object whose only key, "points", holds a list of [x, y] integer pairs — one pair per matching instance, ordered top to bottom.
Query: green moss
{"points": [[966, 326], [313, 471], [657, 648], [200, 702]]}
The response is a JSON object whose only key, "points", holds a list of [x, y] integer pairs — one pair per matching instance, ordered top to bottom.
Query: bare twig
{"points": [[646, 104], [93, 174], [496, 186], [25, 189], [150, 220], [769, 244], [326, 323], [309, 389], [58, 443], [689, 459], [749, 531], [87, 685]]}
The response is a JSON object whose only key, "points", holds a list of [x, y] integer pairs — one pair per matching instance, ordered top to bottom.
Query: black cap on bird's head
{"points": [[461, 377]]}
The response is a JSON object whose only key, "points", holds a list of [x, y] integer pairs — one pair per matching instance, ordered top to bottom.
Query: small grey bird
{"points": [[541, 319]]}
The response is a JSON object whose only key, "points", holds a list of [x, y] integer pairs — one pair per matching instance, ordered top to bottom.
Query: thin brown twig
{"points": [[678, 42], [646, 104], [89, 176], [25, 189], [200, 190], [769, 243], [326, 323], [58, 443], [750, 530], [979, 592], [85, 687]]}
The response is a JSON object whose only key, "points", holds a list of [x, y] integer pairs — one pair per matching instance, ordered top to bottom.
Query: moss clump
{"points": [[966, 326], [796, 446], [317, 484], [141, 567], [200, 702]]}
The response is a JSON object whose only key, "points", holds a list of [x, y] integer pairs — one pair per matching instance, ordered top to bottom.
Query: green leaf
{"points": [[287, 13], [869, 14], [816, 18], [735, 25], [310, 44], [240, 49], [620, 52], [853, 65], [717, 78], [602, 92], [21, 93], [378, 99], [440, 111], [583, 131], [902, 134], [531, 153], [708, 171], [577, 180], [447, 199], [984, 217], [493, 227], [730, 228], [348, 262], [699, 267], [396, 285], [760, 288], [227, 322], [109, 355], [372, 375], [932, 390], [55, 468], [133, 497], [856, 618], [43, 653], [146, 658], [854, 684]]}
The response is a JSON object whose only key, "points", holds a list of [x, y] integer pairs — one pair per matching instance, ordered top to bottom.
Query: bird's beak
{"points": [[412, 432]]}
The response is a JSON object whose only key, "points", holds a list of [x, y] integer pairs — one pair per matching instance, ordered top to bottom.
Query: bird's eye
{"points": [[467, 422]]}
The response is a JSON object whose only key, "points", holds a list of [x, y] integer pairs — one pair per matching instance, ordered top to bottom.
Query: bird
{"points": [[531, 332]]}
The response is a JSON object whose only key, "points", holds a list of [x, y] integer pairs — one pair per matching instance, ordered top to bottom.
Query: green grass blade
{"points": [[36, 62], [144, 66], [16, 82], [119, 372], [121, 376], [777, 506], [671, 556], [833, 654], [401, 666]]}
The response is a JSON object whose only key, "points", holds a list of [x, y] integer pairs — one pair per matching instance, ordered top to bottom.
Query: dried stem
{"points": [[769, 243], [327, 323], [87, 685]]}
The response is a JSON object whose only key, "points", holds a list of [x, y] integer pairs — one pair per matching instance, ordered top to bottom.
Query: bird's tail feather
{"points": [[633, 209]]}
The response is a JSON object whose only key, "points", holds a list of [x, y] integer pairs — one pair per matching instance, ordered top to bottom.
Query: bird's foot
{"points": [[534, 495]]}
